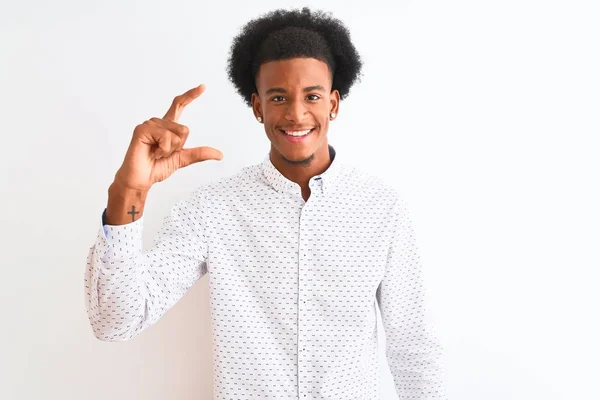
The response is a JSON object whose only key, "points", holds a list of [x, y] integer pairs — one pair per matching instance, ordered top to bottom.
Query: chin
{"points": [[295, 155]]}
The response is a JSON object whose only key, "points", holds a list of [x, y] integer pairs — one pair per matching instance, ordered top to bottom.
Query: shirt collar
{"points": [[325, 181]]}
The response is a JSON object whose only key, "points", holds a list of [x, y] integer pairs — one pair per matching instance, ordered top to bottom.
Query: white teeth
{"points": [[297, 133]]}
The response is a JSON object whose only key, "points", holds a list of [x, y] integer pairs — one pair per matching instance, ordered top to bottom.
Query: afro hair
{"points": [[284, 34]]}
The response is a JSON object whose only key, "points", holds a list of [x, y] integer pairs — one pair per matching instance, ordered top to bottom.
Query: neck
{"points": [[301, 171]]}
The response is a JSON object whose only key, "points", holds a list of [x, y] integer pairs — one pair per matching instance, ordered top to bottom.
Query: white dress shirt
{"points": [[293, 284]]}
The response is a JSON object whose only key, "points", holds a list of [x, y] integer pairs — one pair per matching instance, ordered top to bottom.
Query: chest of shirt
{"points": [[329, 246]]}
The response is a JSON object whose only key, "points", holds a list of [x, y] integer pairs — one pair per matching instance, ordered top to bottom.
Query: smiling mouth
{"points": [[297, 134]]}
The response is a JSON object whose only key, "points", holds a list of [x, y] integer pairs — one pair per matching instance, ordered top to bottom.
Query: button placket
{"points": [[304, 293]]}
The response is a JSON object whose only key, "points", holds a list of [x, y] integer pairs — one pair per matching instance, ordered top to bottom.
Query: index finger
{"points": [[181, 101]]}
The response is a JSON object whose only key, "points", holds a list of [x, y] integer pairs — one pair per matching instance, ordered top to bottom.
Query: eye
{"points": [[317, 97]]}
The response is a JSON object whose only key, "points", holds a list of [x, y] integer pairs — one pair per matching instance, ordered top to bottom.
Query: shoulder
{"points": [[372, 184]]}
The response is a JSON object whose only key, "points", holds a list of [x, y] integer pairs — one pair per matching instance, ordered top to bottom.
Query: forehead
{"points": [[291, 73]]}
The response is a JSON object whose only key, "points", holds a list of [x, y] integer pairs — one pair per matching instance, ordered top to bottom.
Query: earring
{"points": [[332, 115], [259, 119]]}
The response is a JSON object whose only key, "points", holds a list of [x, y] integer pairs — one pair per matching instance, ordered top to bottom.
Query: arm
{"points": [[126, 289], [412, 351]]}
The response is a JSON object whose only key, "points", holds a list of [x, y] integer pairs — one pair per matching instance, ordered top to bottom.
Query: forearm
{"points": [[125, 205], [129, 289], [115, 303], [413, 351]]}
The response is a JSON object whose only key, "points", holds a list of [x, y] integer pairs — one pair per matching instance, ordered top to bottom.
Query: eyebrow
{"points": [[306, 89]]}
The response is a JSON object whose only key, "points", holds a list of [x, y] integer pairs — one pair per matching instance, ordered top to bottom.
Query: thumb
{"points": [[197, 154]]}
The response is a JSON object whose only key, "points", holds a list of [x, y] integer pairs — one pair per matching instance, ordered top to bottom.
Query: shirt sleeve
{"points": [[127, 289], [413, 353]]}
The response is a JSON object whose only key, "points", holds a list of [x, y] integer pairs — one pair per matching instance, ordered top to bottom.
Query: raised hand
{"points": [[156, 149]]}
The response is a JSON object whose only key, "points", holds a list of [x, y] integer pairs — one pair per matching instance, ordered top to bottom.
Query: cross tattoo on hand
{"points": [[133, 212]]}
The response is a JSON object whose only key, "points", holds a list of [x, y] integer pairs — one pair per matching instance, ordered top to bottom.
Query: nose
{"points": [[296, 111]]}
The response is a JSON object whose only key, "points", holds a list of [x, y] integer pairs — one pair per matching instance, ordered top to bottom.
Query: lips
{"points": [[308, 128], [296, 139]]}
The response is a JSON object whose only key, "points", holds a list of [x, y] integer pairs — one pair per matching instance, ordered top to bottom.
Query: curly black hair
{"points": [[284, 34]]}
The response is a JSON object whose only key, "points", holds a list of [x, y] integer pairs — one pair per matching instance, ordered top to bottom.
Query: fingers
{"points": [[181, 101], [181, 131], [167, 136], [163, 142], [166, 142], [197, 154]]}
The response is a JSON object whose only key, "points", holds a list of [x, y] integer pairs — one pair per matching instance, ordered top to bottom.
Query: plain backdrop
{"points": [[485, 114]]}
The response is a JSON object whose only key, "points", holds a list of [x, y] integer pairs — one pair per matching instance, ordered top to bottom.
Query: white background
{"points": [[484, 113]]}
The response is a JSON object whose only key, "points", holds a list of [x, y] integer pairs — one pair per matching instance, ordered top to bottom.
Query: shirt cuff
{"points": [[122, 240]]}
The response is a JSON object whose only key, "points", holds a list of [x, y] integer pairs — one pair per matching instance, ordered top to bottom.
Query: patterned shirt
{"points": [[293, 284]]}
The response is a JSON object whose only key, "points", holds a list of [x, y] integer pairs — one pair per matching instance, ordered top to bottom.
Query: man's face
{"points": [[294, 95]]}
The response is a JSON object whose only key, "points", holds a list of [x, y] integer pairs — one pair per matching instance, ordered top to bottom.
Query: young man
{"points": [[298, 249]]}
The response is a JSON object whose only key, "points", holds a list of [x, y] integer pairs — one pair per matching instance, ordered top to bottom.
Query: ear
{"points": [[334, 100], [256, 107]]}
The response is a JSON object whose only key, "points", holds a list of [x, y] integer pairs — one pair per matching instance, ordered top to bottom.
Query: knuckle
{"points": [[165, 132]]}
